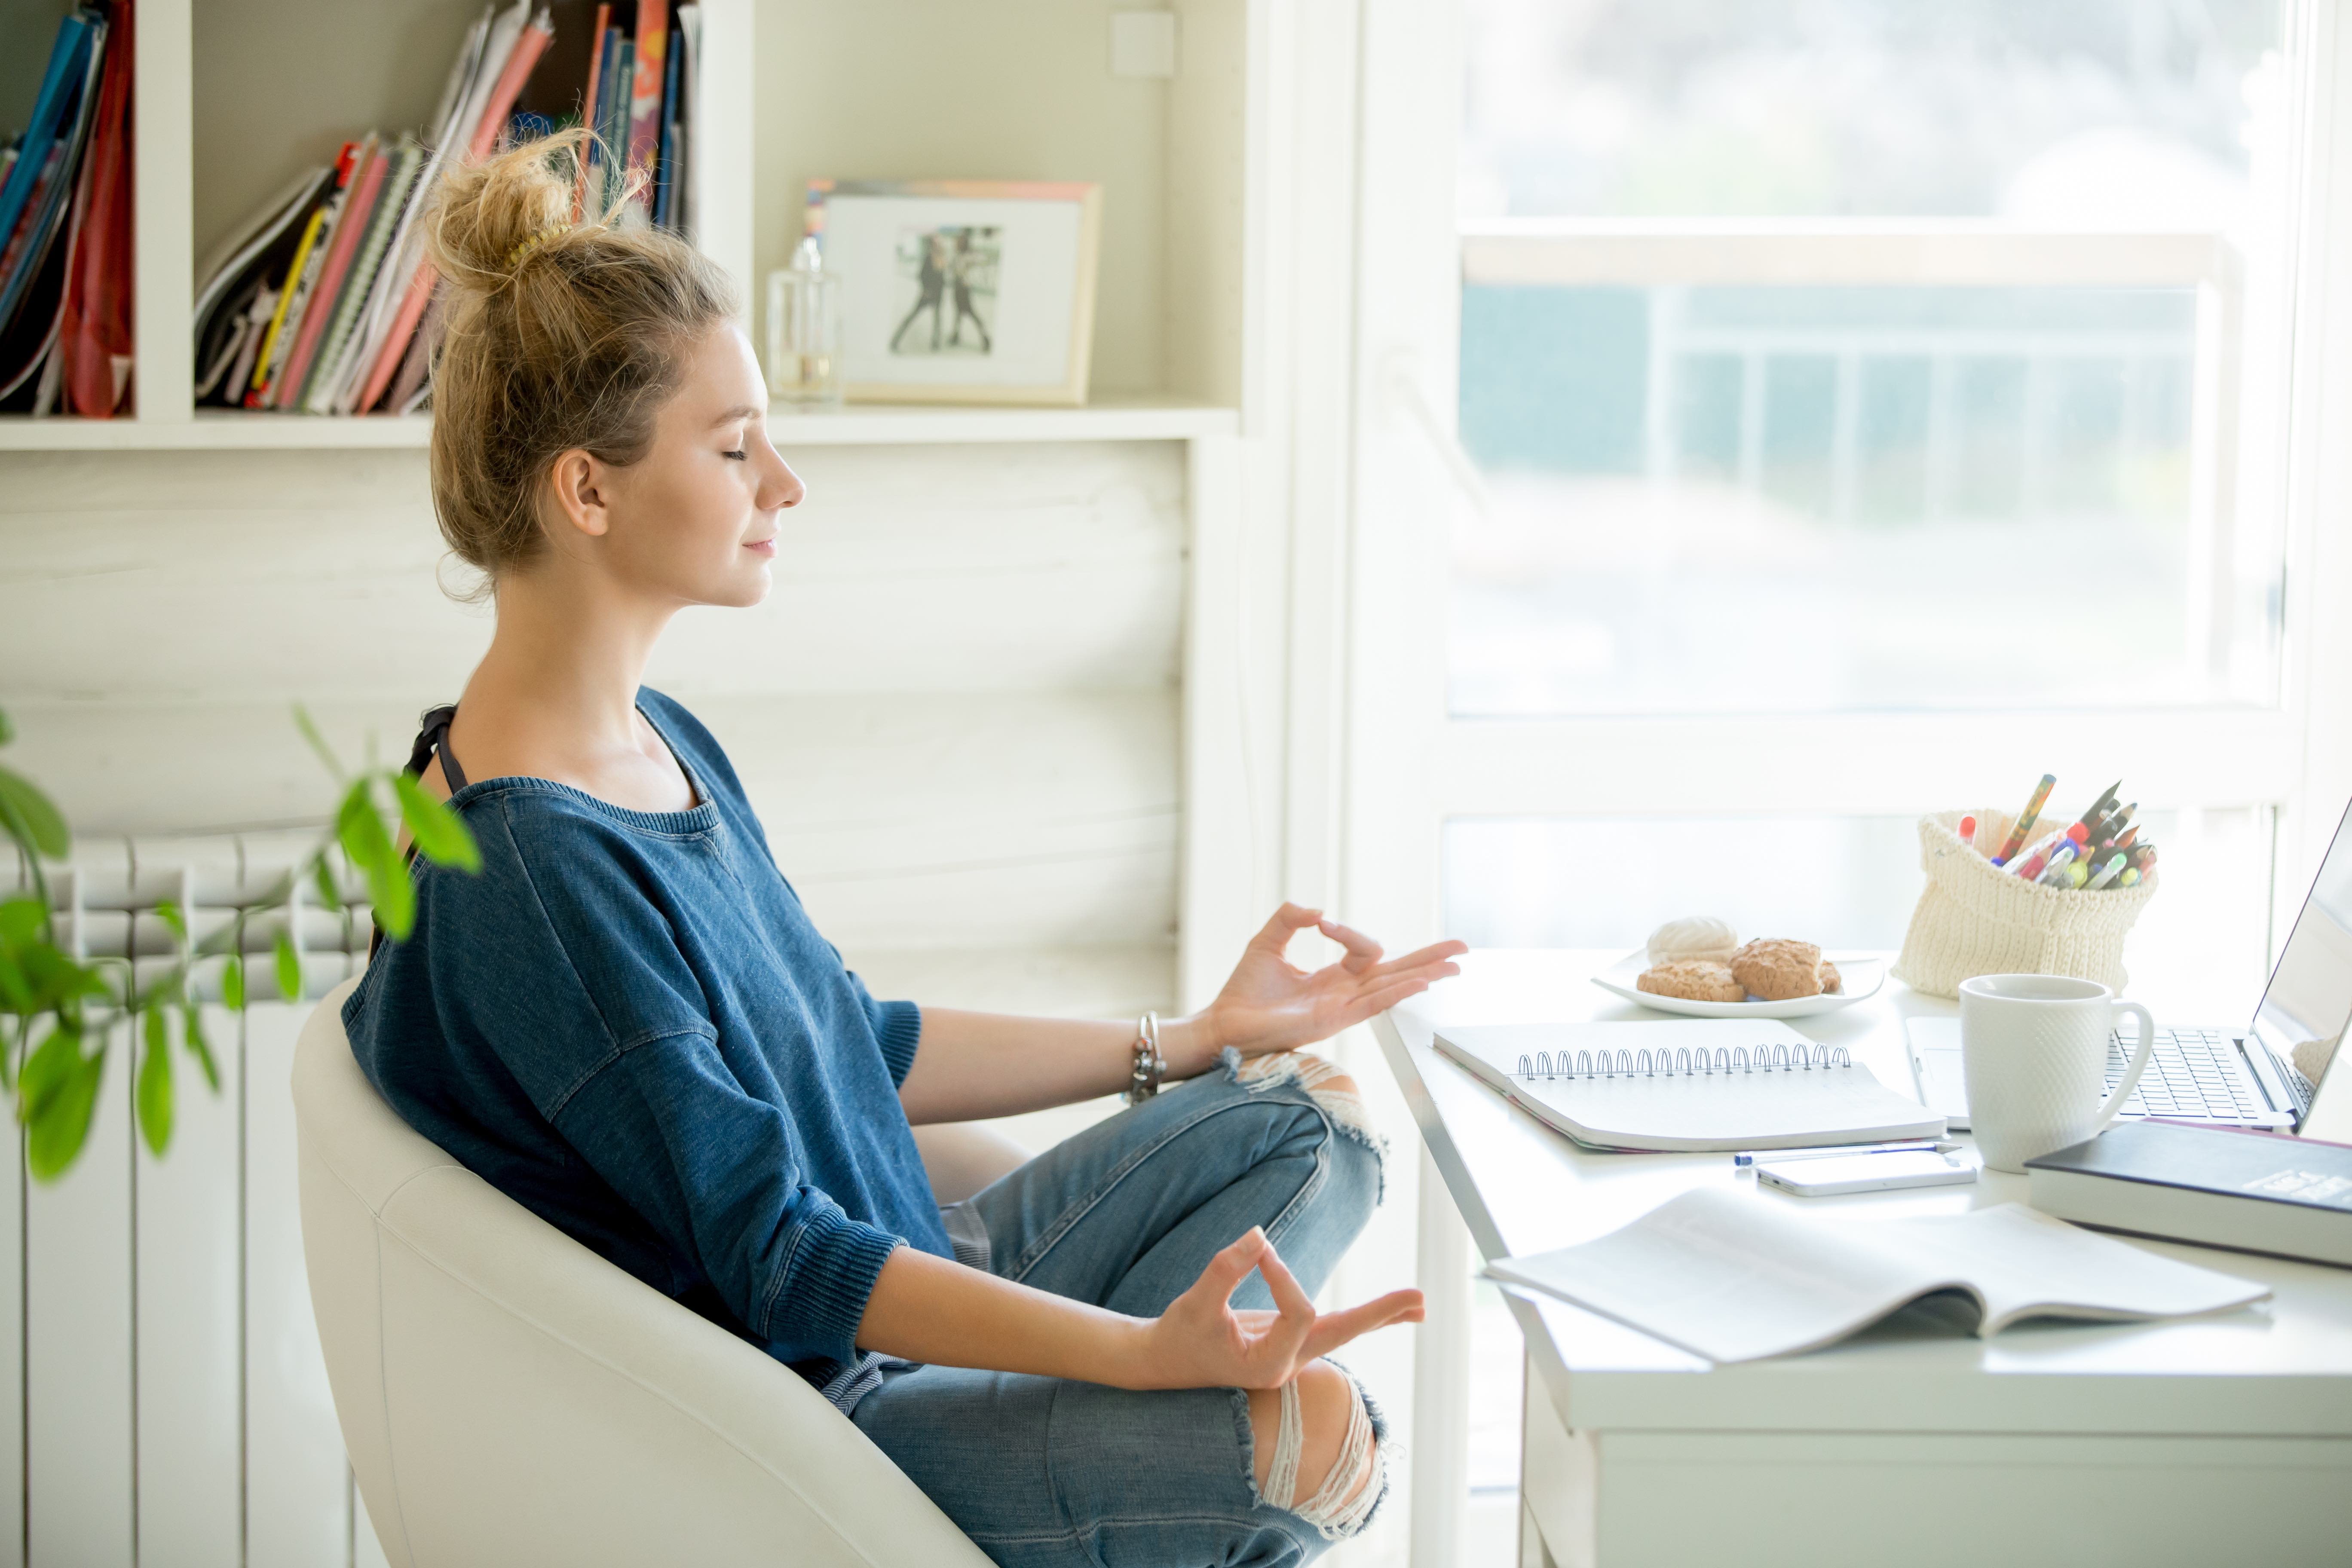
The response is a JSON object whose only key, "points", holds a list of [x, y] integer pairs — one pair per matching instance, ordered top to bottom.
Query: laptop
{"points": [[2262, 1075]]}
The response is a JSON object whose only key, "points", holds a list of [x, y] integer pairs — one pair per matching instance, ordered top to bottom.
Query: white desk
{"points": [[2224, 1440]]}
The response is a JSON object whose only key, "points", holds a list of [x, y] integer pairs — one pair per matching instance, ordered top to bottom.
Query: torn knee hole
{"points": [[1325, 1464]]}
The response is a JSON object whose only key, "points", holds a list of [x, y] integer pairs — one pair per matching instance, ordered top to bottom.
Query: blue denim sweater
{"points": [[628, 1023]]}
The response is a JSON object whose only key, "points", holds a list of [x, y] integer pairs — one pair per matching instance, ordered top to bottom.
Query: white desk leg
{"points": [[1441, 1379]]}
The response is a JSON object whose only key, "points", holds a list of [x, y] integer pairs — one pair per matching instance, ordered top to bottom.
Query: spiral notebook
{"points": [[1691, 1085]]}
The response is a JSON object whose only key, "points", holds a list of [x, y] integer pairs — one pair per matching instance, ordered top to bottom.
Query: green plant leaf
{"points": [[326, 752], [32, 817], [361, 831], [440, 835], [322, 882], [169, 913], [22, 921], [290, 968], [57, 980], [232, 984], [202, 1049], [45, 1070], [153, 1092], [60, 1126]]}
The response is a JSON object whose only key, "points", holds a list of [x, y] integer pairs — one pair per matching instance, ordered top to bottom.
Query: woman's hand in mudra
{"points": [[1271, 1005], [1203, 1341]]}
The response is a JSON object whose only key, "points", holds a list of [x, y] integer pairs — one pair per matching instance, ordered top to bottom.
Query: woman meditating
{"points": [[626, 1022]]}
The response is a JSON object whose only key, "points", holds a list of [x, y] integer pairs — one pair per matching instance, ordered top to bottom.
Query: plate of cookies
{"points": [[1699, 967]]}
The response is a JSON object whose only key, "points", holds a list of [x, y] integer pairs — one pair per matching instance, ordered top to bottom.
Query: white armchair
{"points": [[508, 1397]]}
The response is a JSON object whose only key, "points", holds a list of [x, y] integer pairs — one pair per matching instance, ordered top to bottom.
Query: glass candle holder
{"points": [[805, 331]]}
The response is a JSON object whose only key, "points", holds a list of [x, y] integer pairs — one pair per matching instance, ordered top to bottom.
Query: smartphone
{"points": [[1867, 1173]]}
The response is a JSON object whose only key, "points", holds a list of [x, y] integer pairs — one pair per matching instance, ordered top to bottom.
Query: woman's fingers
{"points": [[1287, 922], [1362, 951], [1435, 953], [1232, 1264], [1333, 1330]]}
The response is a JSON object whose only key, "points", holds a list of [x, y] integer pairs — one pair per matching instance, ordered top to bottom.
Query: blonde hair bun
{"points": [[556, 332]]}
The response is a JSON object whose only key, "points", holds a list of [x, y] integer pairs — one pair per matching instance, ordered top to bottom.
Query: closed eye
{"points": [[739, 455]]}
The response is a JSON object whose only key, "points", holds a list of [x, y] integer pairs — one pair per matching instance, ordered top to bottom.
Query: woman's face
{"points": [[695, 520]]}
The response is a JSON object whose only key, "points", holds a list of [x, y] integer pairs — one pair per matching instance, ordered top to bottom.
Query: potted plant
{"points": [[57, 1012]]}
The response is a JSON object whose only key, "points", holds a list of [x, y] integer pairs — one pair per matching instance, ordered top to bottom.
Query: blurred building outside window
{"points": [[1852, 362]]}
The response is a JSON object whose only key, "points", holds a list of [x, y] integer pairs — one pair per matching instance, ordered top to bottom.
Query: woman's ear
{"points": [[579, 481]]}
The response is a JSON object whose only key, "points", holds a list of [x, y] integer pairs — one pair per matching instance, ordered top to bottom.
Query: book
{"points": [[509, 47], [648, 77], [61, 81], [588, 103], [689, 128], [49, 195], [350, 224], [36, 262], [244, 281], [293, 304], [95, 342], [336, 351], [1688, 1085], [2220, 1186], [1735, 1277]]}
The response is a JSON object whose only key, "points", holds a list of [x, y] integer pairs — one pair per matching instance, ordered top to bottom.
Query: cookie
{"points": [[1698, 936], [1778, 969], [1692, 980], [1832, 983]]}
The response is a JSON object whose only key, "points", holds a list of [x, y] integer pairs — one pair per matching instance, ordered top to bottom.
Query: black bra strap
{"points": [[434, 736]]}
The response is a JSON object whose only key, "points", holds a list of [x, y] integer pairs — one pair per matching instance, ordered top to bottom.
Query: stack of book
{"points": [[65, 211], [320, 303]]}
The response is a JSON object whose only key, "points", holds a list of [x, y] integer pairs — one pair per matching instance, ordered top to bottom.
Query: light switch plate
{"points": [[1143, 44]]}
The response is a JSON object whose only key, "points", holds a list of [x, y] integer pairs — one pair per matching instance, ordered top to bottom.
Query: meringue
{"points": [[1697, 937]]}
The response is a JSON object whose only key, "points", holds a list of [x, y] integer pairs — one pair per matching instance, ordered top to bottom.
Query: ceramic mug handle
{"points": [[2130, 1081]]}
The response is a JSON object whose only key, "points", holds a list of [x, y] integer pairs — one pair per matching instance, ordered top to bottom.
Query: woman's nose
{"points": [[779, 486]]}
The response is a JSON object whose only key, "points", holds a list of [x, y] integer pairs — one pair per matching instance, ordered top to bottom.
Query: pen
{"points": [[2101, 806], [2025, 819], [1968, 831], [2054, 872], [2106, 873], [1906, 1146]]}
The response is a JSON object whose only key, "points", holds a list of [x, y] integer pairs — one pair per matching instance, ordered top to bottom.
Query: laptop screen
{"points": [[2304, 1013]]}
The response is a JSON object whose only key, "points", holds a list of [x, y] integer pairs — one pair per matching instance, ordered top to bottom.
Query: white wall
{"points": [[957, 713]]}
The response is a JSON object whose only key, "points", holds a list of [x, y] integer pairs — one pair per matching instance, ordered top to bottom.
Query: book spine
{"points": [[66, 66], [649, 77], [588, 108], [613, 125], [358, 208], [308, 262], [343, 342], [257, 392]]}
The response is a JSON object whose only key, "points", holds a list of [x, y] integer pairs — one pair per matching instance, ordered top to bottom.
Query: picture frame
{"points": [[961, 291]]}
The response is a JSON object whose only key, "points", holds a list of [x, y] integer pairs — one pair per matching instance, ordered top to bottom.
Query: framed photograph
{"points": [[961, 291]]}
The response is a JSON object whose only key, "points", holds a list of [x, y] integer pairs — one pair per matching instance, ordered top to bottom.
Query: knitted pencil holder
{"points": [[1975, 919]]}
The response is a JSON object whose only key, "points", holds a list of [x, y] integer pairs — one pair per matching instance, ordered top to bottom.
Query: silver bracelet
{"points": [[1150, 1067]]}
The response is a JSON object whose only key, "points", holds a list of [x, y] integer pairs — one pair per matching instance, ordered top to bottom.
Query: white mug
{"points": [[2034, 1050]]}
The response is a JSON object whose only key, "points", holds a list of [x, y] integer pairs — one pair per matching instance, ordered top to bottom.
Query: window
{"points": [[1856, 409]]}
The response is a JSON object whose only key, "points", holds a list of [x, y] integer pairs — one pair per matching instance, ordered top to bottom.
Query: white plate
{"points": [[1863, 977]]}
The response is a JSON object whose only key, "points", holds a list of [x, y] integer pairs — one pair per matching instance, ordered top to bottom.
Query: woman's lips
{"points": [[762, 546]]}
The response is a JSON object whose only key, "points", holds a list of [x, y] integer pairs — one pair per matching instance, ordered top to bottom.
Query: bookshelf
{"points": [[910, 89]]}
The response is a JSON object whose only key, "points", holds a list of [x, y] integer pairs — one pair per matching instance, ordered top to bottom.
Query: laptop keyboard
{"points": [[2194, 1073]]}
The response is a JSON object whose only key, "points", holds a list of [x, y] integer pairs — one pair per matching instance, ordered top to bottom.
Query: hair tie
{"points": [[523, 249]]}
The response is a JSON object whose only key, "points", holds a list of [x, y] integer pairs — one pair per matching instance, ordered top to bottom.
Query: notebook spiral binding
{"points": [[1775, 1057]]}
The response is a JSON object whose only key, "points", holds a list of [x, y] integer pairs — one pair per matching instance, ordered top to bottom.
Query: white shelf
{"points": [[877, 424], [900, 424]]}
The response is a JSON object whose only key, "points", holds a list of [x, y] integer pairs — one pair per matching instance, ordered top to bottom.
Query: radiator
{"points": [[156, 1339]]}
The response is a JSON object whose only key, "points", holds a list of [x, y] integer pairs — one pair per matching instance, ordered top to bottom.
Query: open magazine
{"points": [[1735, 1277]]}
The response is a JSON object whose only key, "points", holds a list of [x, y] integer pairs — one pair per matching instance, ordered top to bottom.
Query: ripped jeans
{"points": [[1045, 1472]]}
